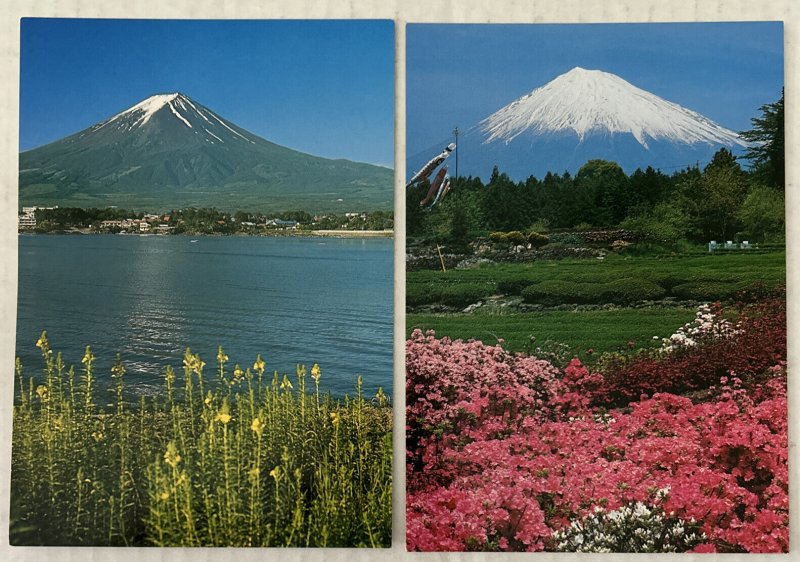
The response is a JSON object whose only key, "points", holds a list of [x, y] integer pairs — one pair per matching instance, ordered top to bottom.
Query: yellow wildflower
{"points": [[42, 341], [88, 357], [221, 357], [193, 362], [259, 365], [117, 370], [237, 372], [316, 372], [286, 384], [41, 392], [208, 399], [224, 414], [336, 419], [257, 426], [98, 436], [171, 457], [254, 473], [275, 473], [163, 496]]}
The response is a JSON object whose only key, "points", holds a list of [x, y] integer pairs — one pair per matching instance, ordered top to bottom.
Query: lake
{"points": [[291, 299]]}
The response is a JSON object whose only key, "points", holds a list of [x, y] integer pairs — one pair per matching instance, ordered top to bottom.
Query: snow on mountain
{"points": [[589, 101], [181, 107], [144, 110], [583, 115]]}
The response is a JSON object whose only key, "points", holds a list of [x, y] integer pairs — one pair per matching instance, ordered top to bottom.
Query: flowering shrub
{"points": [[708, 325], [748, 348], [557, 353], [453, 387], [506, 453], [634, 527]]}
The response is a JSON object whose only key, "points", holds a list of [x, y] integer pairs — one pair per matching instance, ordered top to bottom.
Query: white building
{"points": [[27, 219]]}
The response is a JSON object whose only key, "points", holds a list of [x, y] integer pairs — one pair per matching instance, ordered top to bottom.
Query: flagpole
{"points": [[455, 134]]}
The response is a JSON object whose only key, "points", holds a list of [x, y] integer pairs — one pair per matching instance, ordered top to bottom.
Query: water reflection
{"points": [[291, 300]]}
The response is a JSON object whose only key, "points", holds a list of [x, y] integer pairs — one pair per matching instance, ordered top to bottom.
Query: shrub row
{"points": [[608, 236], [536, 239], [629, 290], [708, 290], [621, 291], [554, 292], [456, 294]]}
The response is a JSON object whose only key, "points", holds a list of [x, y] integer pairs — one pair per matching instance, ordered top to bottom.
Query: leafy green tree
{"points": [[767, 154], [647, 187], [724, 187], [607, 191], [555, 199], [502, 207], [763, 214], [416, 222], [666, 223], [459, 227]]}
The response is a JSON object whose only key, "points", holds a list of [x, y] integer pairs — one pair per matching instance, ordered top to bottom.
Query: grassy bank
{"points": [[598, 330], [234, 458]]}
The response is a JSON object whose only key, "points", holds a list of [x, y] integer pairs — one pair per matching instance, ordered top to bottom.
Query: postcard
{"points": [[595, 288], [204, 327]]}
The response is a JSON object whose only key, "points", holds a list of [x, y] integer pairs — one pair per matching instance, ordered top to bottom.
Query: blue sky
{"points": [[460, 74], [323, 87]]}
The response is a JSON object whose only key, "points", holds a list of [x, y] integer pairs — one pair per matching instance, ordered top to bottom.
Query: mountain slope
{"points": [[586, 114], [169, 151]]}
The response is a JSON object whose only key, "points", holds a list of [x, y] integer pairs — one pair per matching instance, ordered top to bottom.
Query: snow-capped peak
{"points": [[592, 101], [145, 109], [197, 119]]}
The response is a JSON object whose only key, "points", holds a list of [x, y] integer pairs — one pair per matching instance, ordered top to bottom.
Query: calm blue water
{"points": [[293, 300]]}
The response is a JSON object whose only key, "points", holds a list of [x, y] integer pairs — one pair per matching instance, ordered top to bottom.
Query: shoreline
{"points": [[276, 234]]}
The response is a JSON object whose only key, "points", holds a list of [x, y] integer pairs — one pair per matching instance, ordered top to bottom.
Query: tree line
{"points": [[208, 220]]}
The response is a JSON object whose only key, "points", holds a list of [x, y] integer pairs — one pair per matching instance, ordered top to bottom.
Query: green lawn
{"points": [[599, 330]]}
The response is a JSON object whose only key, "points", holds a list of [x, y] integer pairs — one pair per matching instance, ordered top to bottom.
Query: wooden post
{"points": [[441, 259]]}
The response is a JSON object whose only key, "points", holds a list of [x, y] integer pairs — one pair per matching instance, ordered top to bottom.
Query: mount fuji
{"points": [[587, 114], [169, 151]]}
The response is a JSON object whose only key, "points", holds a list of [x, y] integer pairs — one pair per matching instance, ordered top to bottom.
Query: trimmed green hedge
{"points": [[514, 285], [708, 290], [620, 291], [629, 291], [423, 293], [551, 293], [456, 294], [465, 294]]}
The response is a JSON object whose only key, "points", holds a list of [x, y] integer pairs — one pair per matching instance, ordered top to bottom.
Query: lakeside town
{"points": [[201, 221]]}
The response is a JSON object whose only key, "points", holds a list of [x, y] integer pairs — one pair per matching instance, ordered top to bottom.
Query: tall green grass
{"points": [[237, 458]]}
